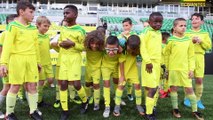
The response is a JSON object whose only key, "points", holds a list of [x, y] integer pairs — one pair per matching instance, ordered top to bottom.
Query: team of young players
{"points": [[114, 57]]}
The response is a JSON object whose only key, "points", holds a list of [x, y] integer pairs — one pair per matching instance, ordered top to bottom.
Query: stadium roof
{"points": [[109, 1]]}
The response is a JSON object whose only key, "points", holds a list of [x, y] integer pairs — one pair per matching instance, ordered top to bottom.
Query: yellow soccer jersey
{"points": [[75, 33], [204, 36], [2, 37], [20, 39], [150, 47], [44, 48], [162, 54], [180, 54], [94, 59], [110, 62], [130, 65]]}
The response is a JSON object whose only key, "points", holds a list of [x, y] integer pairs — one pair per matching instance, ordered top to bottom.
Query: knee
{"points": [[199, 81], [107, 83], [88, 84], [64, 85], [77, 85], [137, 86]]}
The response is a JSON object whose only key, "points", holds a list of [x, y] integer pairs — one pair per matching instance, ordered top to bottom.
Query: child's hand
{"points": [[196, 40], [54, 44], [67, 44], [149, 67], [3, 71], [191, 74], [121, 81]]}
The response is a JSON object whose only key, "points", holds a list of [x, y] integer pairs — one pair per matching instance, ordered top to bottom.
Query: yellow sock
{"points": [[165, 85], [57, 87], [115, 87], [129, 88], [71, 89], [88, 91], [198, 91], [20, 92], [40, 93], [82, 94], [138, 95], [97, 96], [107, 96], [118, 96], [156, 97], [33, 100], [63, 100], [174, 100], [193, 102], [10, 103], [149, 105]]}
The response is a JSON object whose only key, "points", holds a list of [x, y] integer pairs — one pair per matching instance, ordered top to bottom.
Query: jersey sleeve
{"points": [[2, 37], [206, 43], [8, 44], [80, 44], [37, 48], [143, 48], [166, 53], [122, 58], [191, 58]]}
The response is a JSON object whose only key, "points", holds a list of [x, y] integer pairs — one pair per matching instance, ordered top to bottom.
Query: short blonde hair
{"points": [[42, 19]]}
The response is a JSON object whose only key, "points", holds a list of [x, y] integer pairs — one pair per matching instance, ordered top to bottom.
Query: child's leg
{"points": [[115, 81], [96, 87], [198, 87], [129, 88], [71, 89], [88, 89], [40, 90], [80, 90], [20, 92], [107, 93], [64, 95], [32, 96], [118, 96], [156, 96], [191, 96], [138, 97], [174, 97], [11, 98], [150, 100]]}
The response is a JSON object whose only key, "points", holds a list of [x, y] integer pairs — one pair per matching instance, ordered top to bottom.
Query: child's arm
{"points": [[8, 43], [206, 43], [80, 45], [144, 53], [191, 59]]}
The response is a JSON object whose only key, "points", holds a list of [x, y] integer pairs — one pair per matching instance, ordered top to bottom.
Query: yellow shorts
{"points": [[199, 65], [23, 68], [70, 68], [46, 72], [57, 72], [107, 73], [93, 75], [179, 78], [5, 80], [151, 80]]}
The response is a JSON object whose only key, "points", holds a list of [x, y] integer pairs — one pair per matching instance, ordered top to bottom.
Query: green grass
{"points": [[128, 112]]}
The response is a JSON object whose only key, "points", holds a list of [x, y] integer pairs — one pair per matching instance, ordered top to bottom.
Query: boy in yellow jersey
{"points": [[127, 26], [202, 43], [94, 44], [71, 45], [150, 49], [21, 53], [180, 63], [109, 68], [46, 73], [128, 73], [5, 81], [164, 87]]}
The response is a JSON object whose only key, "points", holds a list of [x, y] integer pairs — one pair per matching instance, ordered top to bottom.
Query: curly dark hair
{"points": [[94, 36], [134, 45]]}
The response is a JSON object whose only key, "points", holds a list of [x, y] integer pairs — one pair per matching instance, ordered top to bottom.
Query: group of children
{"points": [[25, 60]]}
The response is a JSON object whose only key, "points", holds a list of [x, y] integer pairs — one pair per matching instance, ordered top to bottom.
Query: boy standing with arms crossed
{"points": [[71, 42], [202, 43], [150, 50], [21, 53]]}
